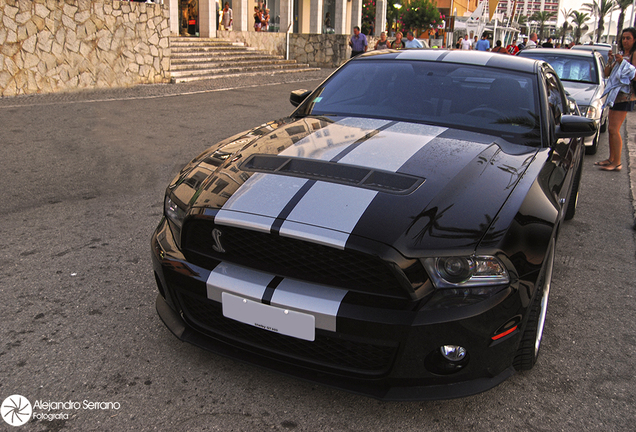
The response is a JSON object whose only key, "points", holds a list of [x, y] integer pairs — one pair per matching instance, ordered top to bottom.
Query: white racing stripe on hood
{"points": [[329, 141], [391, 148], [259, 201], [336, 207], [320, 301]]}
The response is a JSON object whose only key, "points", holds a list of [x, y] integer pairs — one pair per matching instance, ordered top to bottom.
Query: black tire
{"points": [[603, 127], [591, 150], [573, 199], [528, 351]]}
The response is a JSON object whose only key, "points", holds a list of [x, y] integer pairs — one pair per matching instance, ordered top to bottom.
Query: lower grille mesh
{"points": [[325, 351]]}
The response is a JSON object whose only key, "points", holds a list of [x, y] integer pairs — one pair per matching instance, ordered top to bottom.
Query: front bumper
{"points": [[386, 351]]}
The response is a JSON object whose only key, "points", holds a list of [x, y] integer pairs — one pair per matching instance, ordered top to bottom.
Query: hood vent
{"points": [[351, 175]]}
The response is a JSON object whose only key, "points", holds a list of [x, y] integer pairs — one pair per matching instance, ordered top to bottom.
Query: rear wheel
{"points": [[528, 350]]}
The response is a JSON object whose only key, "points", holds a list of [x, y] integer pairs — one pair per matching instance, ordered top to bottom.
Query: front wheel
{"points": [[591, 150], [573, 199], [528, 350]]}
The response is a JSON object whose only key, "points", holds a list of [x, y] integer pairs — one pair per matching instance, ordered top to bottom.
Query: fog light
{"points": [[453, 353]]}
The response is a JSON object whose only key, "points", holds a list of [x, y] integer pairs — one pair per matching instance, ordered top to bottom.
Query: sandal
{"points": [[603, 163], [611, 168]]}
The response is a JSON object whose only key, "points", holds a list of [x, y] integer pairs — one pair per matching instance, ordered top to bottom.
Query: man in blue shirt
{"points": [[358, 42], [412, 42], [483, 44]]}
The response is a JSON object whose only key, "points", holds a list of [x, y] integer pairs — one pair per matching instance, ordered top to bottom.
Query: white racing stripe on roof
{"points": [[391, 148], [331, 206], [320, 301]]}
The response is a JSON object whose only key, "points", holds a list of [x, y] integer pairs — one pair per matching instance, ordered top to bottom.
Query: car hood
{"points": [[583, 93], [344, 182]]}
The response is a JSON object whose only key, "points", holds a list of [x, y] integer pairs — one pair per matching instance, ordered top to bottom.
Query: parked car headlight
{"points": [[173, 212], [473, 271]]}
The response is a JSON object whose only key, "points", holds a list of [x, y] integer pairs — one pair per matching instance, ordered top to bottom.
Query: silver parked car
{"points": [[581, 73]]}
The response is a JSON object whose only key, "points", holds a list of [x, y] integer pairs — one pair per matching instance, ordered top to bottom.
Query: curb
{"points": [[630, 157]]}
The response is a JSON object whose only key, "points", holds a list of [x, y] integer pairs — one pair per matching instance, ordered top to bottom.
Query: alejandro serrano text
{"points": [[69, 405]]}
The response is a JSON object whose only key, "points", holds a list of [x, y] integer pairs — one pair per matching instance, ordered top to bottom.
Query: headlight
{"points": [[590, 112], [173, 212], [459, 272]]}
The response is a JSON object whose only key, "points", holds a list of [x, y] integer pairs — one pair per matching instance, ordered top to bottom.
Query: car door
{"points": [[566, 152]]}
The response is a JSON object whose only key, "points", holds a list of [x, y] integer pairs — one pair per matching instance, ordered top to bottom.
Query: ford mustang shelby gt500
{"points": [[394, 236]]}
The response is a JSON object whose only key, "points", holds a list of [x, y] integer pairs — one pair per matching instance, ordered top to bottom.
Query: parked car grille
{"points": [[295, 259], [326, 352]]}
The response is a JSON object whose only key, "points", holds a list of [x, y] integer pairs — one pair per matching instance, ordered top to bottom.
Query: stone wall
{"points": [[60, 45]]}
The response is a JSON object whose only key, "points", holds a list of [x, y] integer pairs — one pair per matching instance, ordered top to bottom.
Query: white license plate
{"points": [[274, 319]]}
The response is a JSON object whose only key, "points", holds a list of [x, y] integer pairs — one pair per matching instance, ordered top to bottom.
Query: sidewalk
{"points": [[630, 156]]}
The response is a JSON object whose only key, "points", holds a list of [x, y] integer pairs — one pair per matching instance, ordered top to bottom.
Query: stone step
{"points": [[203, 50], [185, 58], [225, 64], [234, 69], [185, 79]]}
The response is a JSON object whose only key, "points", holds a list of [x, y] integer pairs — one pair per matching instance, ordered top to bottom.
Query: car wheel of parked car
{"points": [[603, 127], [590, 150], [574, 195], [528, 350]]}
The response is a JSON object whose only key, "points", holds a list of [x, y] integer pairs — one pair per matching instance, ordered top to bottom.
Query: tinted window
{"points": [[489, 100]]}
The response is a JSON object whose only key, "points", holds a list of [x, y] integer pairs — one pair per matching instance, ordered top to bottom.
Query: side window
{"points": [[555, 98]]}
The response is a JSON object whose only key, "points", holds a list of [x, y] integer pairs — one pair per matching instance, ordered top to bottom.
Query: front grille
{"points": [[295, 259], [325, 352]]}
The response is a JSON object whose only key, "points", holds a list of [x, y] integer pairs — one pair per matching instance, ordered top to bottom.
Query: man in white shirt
{"points": [[533, 40], [412, 42], [466, 44]]}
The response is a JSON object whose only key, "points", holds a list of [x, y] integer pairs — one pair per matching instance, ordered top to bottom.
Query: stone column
{"points": [[173, 7], [356, 14], [242, 15], [286, 15], [380, 17], [207, 18], [340, 18], [315, 20]]}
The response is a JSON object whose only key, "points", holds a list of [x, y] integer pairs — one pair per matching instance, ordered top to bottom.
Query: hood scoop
{"points": [[333, 172]]}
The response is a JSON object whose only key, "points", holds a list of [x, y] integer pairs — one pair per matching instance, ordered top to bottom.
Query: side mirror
{"points": [[298, 96], [576, 127]]}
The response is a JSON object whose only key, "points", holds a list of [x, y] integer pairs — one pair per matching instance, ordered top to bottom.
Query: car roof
{"points": [[599, 48], [557, 51], [476, 58]]}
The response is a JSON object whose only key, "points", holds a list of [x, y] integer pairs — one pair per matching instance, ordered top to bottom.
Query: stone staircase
{"points": [[194, 59]]}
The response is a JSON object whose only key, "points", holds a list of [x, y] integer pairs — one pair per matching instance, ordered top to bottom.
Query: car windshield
{"points": [[569, 68], [499, 102]]}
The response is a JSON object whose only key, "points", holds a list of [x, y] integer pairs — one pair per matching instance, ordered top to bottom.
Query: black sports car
{"points": [[394, 236]]}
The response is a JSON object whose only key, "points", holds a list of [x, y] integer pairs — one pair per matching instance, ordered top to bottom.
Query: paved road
{"points": [[82, 186]]}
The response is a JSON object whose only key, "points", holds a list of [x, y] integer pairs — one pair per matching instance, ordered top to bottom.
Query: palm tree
{"points": [[622, 5], [600, 10], [541, 18], [579, 19], [522, 20], [566, 25]]}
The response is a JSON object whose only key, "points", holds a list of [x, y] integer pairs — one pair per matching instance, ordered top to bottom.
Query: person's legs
{"points": [[615, 121]]}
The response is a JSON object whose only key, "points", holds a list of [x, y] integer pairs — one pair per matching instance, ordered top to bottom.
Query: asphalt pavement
{"points": [[83, 176]]}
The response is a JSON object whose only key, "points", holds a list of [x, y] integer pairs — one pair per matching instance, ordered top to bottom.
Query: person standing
{"points": [[227, 18], [257, 18], [533, 41], [358, 42], [411, 42], [383, 43], [398, 43], [466, 43], [548, 43], [483, 44], [499, 48], [513, 48], [624, 102]]}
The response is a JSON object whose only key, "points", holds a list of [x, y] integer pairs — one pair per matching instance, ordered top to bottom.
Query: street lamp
{"points": [[397, 5]]}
